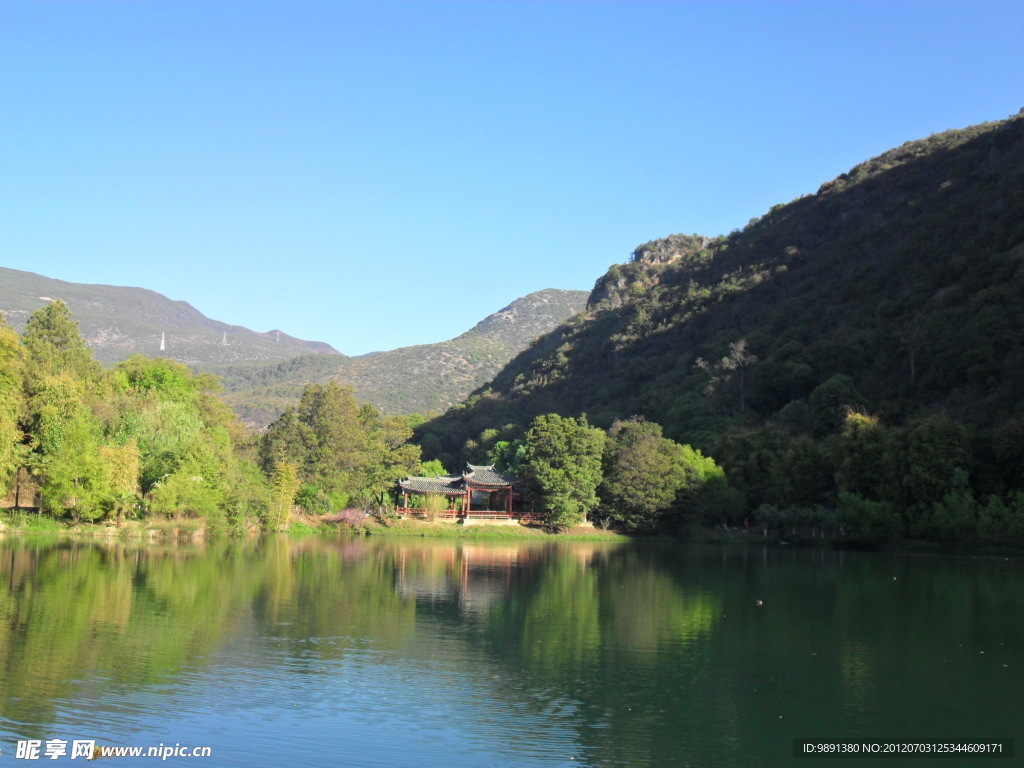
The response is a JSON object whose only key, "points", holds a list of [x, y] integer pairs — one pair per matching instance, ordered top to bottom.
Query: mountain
{"points": [[896, 290], [118, 322], [422, 378]]}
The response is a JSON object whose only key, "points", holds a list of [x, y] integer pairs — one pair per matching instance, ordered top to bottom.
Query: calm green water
{"points": [[363, 652]]}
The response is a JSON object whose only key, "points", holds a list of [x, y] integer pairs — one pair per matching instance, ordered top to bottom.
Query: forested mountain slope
{"points": [[897, 291], [118, 322], [426, 377]]}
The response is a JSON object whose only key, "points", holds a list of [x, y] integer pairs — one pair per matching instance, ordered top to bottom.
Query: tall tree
{"points": [[53, 345], [733, 365], [11, 403], [337, 445], [65, 448], [563, 467], [645, 473], [120, 476], [283, 486]]}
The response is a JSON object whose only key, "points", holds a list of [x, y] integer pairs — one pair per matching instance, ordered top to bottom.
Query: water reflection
{"points": [[391, 651]]}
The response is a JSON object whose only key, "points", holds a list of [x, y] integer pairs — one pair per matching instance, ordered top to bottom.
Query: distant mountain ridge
{"points": [[118, 322], [265, 372], [416, 379]]}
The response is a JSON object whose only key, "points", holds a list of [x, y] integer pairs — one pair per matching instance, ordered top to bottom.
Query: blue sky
{"points": [[380, 174]]}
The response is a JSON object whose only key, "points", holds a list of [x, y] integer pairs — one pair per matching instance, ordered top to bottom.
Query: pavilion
{"points": [[478, 492]]}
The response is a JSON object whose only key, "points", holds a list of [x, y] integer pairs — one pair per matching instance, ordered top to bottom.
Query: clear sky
{"points": [[380, 174]]}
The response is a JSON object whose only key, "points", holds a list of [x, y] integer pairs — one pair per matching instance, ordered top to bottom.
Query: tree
{"points": [[53, 345], [734, 364], [168, 379], [831, 401], [11, 403], [166, 433], [324, 437], [65, 448], [340, 448], [390, 454], [508, 456], [860, 456], [922, 458], [563, 467], [643, 473], [804, 475], [120, 476], [650, 480], [283, 486]]}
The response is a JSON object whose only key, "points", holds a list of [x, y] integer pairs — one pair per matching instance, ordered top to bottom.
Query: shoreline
{"points": [[27, 524]]}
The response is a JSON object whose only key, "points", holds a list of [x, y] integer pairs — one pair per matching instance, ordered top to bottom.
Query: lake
{"points": [[411, 652]]}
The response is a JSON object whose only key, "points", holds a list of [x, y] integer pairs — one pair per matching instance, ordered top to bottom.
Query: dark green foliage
{"points": [[896, 290], [831, 401], [860, 457], [922, 459], [563, 468], [648, 478], [869, 522]]}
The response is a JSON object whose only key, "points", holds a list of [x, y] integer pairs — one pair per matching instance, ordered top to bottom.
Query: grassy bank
{"points": [[27, 522], [422, 528]]}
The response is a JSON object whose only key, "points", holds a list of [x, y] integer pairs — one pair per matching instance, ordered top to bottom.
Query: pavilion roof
{"points": [[488, 475], [446, 485], [458, 485]]}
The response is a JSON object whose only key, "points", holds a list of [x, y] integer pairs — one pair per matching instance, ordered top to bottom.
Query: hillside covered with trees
{"points": [[854, 355]]}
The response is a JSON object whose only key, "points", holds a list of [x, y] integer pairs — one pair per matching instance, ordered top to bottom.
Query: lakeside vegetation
{"points": [[149, 439], [149, 447]]}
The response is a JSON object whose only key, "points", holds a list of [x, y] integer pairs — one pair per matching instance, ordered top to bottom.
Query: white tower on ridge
{"points": [[162, 345]]}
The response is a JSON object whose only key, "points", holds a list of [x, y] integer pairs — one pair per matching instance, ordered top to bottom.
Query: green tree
{"points": [[53, 345], [733, 365], [168, 379], [831, 401], [11, 403], [166, 433], [325, 437], [65, 448], [390, 455], [507, 456], [860, 456], [922, 458], [119, 466], [563, 467], [643, 474], [804, 475], [283, 486], [190, 491], [954, 519], [869, 522]]}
